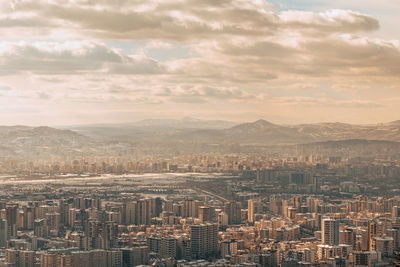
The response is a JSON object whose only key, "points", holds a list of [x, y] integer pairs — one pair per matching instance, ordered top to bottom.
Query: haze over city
{"points": [[289, 62], [199, 133]]}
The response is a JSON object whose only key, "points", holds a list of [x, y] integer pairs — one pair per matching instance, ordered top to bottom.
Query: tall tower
{"points": [[189, 208], [250, 210], [234, 211], [130, 212], [144, 212], [204, 214], [11, 216], [93, 232], [330, 232], [3, 233], [110, 235], [371, 235], [204, 240], [168, 247]]}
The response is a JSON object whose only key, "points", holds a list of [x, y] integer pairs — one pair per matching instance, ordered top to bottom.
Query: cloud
{"points": [[184, 19], [22, 20], [345, 21], [229, 37], [177, 52], [352, 56], [346, 57], [71, 58], [138, 65], [5, 87], [342, 87], [201, 94], [43, 95], [326, 102]]}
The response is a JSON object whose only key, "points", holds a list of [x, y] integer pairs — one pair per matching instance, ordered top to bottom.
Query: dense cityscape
{"points": [[199, 133], [204, 210]]}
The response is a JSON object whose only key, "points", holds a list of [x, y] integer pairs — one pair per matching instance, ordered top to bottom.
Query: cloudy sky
{"points": [[290, 61]]}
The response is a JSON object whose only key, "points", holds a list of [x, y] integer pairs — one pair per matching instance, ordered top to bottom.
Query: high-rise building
{"points": [[276, 205], [156, 207], [253, 207], [189, 208], [234, 211], [396, 211], [130, 212], [143, 212], [205, 214], [11, 216], [28, 217], [222, 219], [53, 220], [39, 228], [330, 232], [3, 233], [93, 233], [372, 233], [110, 234], [204, 240], [154, 244], [384, 246], [168, 247], [184, 248], [135, 256], [12, 257], [26, 258], [80, 258], [97, 258], [114, 258], [365, 258], [48, 260], [64, 260]]}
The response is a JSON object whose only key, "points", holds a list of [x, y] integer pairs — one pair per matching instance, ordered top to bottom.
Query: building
{"points": [[253, 207], [234, 211], [205, 214], [222, 219], [330, 232], [3, 233], [204, 240], [384, 245], [168, 247], [135, 256], [364, 258]]}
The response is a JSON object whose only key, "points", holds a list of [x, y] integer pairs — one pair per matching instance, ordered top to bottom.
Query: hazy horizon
{"points": [[288, 62], [183, 119]]}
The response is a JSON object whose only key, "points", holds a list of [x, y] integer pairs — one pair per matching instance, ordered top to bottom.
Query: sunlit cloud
{"points": [[232, 54]]}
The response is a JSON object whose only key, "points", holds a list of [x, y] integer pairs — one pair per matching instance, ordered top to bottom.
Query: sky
{"points": [[66, 62]]}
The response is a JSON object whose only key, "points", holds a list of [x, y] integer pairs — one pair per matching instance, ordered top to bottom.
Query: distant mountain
{"points": [[185, 123], [147, 129], [341, 131], [260, 132], [264, 132], [43, 134], [152, 137], [37, 141], [351, 143], [352, 148]]}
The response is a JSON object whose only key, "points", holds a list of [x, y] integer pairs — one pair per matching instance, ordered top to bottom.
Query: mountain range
{"points": [[262, 132], [156, 135]]}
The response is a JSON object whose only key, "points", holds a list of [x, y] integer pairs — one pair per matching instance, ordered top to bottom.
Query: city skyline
{"points": [[289, 62], [199, 133]]}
